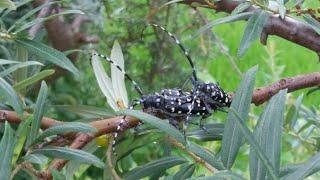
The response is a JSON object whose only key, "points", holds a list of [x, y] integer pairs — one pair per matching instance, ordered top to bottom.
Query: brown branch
{"points": [[288, 28], [263, 94], [12, 117]]}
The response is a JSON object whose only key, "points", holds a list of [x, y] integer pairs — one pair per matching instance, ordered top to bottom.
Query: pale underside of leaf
{"points": [[117, 76], [104, 82]]}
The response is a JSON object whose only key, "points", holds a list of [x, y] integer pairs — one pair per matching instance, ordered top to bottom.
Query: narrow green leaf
{"points": [[169, 3], [265, 3], [7, 4], [19, 4], [241, 7], [30, 13], [227, 19], [41, 20], [314, 24], [253, 30], [49, 54], [22, 55], [5, 61], [18, 66], [117, 76], [33, 79], [104, 82], [7, 92], [87, 111], [38, 112], [293, 112], [156, 122], [65, 128], [214, 132], [268, 134], [232, 136], [20, 138], [254, 144], [127, 146], [6, 149], [70, 154], [205, 155], [35, 158], [72, 166], [153, 167], [290, 168], [306, 169], [185, 172], [56, 175], [221, 176]]}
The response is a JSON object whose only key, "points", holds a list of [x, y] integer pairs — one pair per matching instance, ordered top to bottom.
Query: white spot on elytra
{"points": [[172, 109]]}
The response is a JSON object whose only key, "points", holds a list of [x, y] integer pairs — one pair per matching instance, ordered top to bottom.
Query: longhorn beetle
{"points": [[174, 104]]}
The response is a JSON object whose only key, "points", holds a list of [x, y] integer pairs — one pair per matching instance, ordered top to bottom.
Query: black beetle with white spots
{"points": [[174, 104]]}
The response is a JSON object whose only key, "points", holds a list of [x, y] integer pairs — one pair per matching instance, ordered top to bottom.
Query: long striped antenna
{"points": [[185, 52], [136, 86]]}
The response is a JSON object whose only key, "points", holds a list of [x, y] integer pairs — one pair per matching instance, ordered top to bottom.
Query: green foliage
{"points": [[7, 4], [312, 23], [253, 30], [47, 53], [33, 79], [8, 93], [38, 112], [65, 128], [265, 142], [6, 148], [154, 167], [185, 172]]}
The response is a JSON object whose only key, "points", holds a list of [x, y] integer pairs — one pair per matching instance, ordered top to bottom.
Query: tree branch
{"points": [[288, 28], [263, 94]]}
